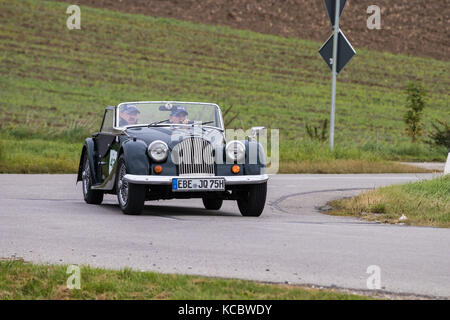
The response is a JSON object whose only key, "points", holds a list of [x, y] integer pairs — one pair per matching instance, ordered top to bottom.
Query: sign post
{"points": [[336, 52], [333, 73]]}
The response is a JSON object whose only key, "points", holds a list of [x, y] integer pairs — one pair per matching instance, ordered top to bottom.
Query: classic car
{"points": [[171, 150]]}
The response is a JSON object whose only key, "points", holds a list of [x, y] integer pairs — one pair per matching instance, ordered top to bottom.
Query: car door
{"points": [[104, 144]]}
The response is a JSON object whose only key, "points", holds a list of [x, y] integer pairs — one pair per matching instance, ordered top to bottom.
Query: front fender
{"points": [[88, 149], [255, 158], [136, 159]]}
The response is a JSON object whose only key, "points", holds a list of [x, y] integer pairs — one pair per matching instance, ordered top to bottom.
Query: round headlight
{"points": [[158, 150], [235, 151]]}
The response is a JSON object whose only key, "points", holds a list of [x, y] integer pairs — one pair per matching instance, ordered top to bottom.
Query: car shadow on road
{"points": [[167, 210]]}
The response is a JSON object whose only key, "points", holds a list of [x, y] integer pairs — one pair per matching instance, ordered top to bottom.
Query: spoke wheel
{"points": [[122, 186], [90, 196], [131, 196]]}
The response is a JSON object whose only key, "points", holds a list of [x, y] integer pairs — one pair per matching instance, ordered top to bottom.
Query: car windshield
{"points": [[169, 113]]}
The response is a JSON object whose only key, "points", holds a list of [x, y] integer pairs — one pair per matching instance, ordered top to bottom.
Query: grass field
{"points": [[55, 83], [424, 203], [21, 280]]}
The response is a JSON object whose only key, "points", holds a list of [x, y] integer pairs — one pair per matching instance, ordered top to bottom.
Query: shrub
{"points": [[318, 132], [441, 136]]}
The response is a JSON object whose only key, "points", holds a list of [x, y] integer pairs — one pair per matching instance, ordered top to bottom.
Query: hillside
{"points": [[415, 27], [54, 84]]}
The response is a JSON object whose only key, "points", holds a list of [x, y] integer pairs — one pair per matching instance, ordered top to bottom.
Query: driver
{"points": [[128, 115], [179, 116]]}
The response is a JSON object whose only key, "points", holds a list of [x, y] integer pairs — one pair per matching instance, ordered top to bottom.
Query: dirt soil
{"points": [[414, 27]]}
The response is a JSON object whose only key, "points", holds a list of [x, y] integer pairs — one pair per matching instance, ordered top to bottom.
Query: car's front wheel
{"points": [[90, 196], [131, 196], [253, 200], [212, 203]]}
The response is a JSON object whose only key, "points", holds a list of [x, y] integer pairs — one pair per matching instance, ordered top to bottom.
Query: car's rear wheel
{"points": [[90, 196], [131, 196], [253, 200], [212, 203]]}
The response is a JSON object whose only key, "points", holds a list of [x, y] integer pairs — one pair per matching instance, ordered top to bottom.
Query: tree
{"points": [[415, 103]]}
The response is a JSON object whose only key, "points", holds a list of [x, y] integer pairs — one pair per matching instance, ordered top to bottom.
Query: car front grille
{"points": [[194, 156]]}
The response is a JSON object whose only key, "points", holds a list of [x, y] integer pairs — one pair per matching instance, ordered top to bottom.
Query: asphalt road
{"points": [[44, 219]]}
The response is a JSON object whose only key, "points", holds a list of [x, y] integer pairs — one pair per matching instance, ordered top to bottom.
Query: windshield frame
{"points": [[117, 117]]}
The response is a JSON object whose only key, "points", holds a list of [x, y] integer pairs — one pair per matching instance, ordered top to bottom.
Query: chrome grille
{"points": [[194, 156]]}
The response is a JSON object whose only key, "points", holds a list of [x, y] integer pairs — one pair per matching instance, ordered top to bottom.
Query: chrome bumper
{"points": [[167, 180]]}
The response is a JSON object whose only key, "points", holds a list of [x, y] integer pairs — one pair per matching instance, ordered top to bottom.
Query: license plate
{"points": [[198, 184]]}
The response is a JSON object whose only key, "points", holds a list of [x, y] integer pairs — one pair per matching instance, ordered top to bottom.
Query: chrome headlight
{"points": [[158, 150], [235, 151]]}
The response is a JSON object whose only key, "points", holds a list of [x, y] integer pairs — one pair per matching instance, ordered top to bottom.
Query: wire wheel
{"points": [[86, 178], [123, 185], [90, 196], [131, 196]]}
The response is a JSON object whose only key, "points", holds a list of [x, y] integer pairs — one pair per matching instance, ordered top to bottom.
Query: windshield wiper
{"points": [[157, 122], [200, 123]]}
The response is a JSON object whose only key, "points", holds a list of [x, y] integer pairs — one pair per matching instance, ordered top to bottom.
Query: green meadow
{"points": [[55, 83]]}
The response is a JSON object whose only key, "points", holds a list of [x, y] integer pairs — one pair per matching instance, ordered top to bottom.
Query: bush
{"points": [[318, 132], [441, 136]]}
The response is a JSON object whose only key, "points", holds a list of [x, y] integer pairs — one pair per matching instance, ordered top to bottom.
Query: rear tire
{"points": [[90, 196], [131, 197], [253, 201], [212, 203]]}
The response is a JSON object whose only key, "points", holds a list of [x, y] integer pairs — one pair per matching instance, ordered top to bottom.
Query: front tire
{"points": [[90, 196], [131, 196], [253, 200], [212, 204]]}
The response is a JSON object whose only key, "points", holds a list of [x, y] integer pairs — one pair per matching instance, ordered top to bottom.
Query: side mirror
{"points": [[256, 132]]}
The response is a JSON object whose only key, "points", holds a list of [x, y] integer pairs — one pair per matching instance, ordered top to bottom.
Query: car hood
{"points": [[172, 135]]}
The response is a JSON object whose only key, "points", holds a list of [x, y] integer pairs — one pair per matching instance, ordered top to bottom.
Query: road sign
{"points": [[331, 9], [345, 51], [336, 52]]}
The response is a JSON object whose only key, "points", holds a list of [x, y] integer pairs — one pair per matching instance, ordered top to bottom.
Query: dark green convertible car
{"points": [[171, 150]]}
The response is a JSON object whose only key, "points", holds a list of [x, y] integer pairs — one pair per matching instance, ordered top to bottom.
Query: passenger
{"points": [[128, 115], [179, 115]]}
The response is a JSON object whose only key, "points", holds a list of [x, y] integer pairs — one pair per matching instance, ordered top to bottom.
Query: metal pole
{"points": [[333, 72]]}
